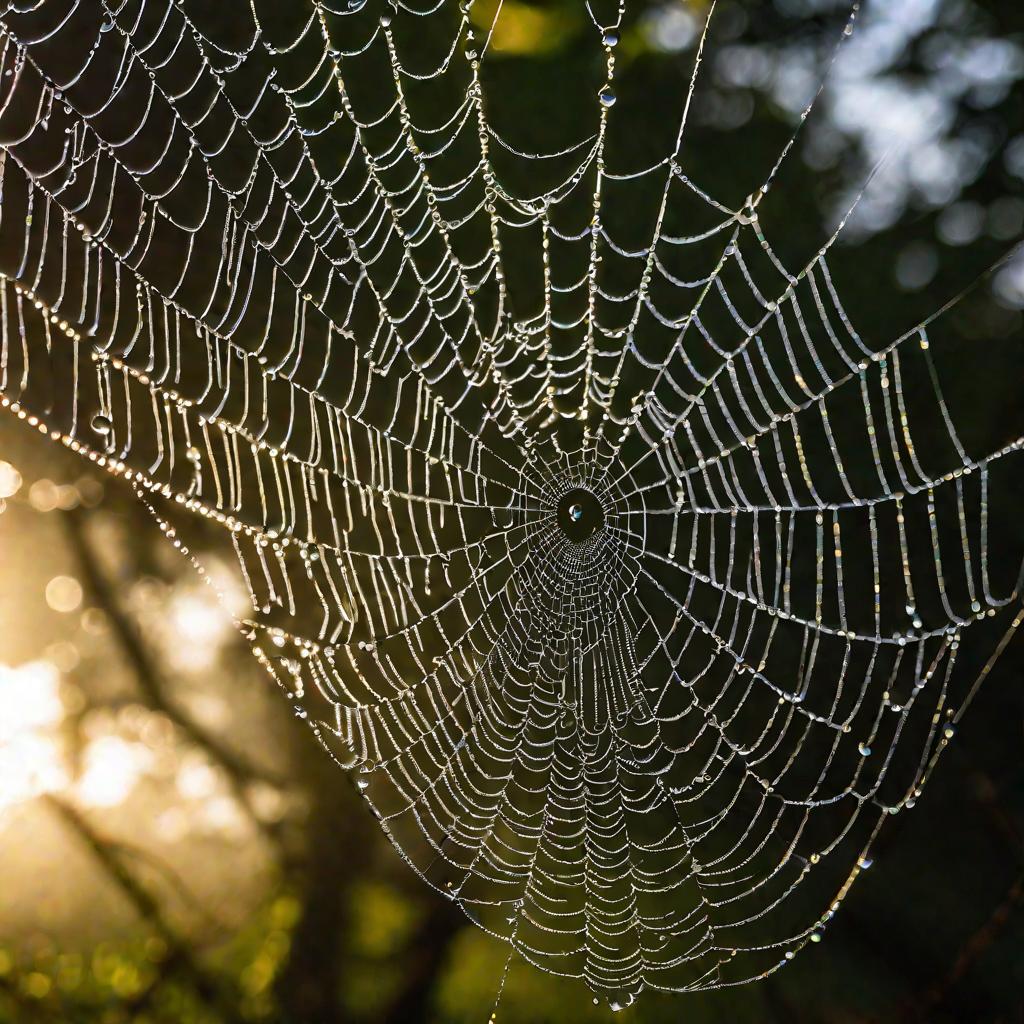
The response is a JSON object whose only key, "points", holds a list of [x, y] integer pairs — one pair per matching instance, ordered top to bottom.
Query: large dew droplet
{"points": [[607, 96], [102, 424]]}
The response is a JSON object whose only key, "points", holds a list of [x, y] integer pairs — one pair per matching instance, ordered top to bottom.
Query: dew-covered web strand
{"points": [[227, 339], [562, 681]]}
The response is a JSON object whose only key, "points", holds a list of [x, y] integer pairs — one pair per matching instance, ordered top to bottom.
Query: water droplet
{"points": [[611, 37], [606, 96], [102, 424], [576, 512], [865, 750]]}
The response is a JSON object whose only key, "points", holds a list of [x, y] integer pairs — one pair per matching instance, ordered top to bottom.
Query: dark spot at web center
{"points": [[580, 514]]}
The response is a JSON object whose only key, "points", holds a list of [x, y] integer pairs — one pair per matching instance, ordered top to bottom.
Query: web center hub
{"points": [[580, 514]]}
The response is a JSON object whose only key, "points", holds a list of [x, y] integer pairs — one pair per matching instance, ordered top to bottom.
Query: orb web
{"points": [[633, 597]]}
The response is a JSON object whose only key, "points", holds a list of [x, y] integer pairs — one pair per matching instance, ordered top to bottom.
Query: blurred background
{"points": [[174, 846]]}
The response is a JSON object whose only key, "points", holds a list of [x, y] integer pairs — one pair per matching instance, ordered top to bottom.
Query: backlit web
{"points": [[626, 577]]}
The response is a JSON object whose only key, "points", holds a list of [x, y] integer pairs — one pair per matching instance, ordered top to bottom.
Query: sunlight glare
{"points": [[30, 707]]}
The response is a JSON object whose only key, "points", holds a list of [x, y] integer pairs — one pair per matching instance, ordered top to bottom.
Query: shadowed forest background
{"points": [[175, 847]]}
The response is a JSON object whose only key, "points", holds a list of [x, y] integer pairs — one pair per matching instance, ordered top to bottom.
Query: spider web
{"points": [[265, 263]]}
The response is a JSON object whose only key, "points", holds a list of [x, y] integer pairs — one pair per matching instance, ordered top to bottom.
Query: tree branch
{"points": [[150, 680], [179, 960]]}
